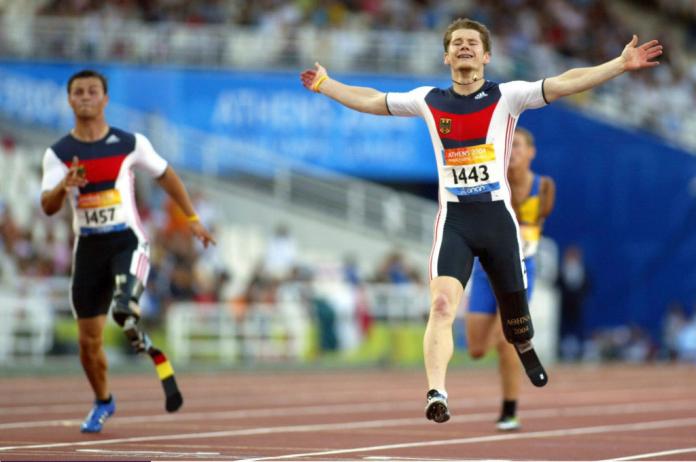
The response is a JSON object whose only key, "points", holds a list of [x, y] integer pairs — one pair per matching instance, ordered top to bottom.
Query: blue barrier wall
{"points": [[623, 196]]}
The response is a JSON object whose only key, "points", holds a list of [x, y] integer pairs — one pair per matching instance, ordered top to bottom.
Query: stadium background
{"points": [[215, 85]]}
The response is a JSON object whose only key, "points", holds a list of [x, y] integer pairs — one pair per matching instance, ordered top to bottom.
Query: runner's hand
{"points": [[640, 57], [310, 77], [76, 176], [202, 234]]}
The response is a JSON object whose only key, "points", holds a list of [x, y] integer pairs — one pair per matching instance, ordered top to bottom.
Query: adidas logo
{"points": [[483, 94], [112, 139]]}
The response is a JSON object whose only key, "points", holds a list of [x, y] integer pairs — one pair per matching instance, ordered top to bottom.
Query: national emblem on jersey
{"points": [[445, 125]]}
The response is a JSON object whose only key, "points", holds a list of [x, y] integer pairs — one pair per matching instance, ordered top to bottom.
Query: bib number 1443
{"points": [[470, 175]]}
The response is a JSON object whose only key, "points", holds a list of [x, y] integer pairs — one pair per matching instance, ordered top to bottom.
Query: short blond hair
{"points": [[466, 23]]}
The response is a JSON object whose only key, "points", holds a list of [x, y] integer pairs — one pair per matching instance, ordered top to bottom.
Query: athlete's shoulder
{"points": [[520, 86], [423, 91], [122, 137], [64, 147]]}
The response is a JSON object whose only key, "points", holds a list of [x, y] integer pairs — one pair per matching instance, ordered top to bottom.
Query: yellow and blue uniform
{"points": [[482, 299]]}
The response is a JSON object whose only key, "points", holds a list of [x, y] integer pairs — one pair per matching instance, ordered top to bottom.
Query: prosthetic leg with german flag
{"points": [[126, 313], [142, 344]]}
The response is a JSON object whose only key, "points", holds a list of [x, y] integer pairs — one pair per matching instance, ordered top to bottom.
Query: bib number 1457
{"points": [[470, 175], [99, 216]]}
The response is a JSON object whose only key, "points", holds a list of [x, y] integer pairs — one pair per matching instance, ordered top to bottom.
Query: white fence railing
{"points": [[26, 326], [281, 331]]}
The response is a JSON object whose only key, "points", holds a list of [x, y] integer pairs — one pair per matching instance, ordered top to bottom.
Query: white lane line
{"points": [[211, 397], [342, 397], [588, 410], [238, 414], [364, 425], [229, 433], [485, 439], [148, 453], [653, 454], [397, 458]]}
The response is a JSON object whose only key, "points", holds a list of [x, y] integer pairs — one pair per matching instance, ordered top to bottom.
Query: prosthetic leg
{"points": [[126, 312], [518, 330]]}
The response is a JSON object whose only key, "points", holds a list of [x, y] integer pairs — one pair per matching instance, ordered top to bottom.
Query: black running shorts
{"points": [[487, 230], [98, 259]]}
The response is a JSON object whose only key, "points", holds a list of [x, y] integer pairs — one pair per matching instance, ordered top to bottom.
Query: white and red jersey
{"points": [[471, 135], [107, 203]]}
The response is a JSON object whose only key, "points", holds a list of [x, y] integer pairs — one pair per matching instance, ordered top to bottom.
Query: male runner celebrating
{"points": [[471, 126], [91, 166], [533, 198]]}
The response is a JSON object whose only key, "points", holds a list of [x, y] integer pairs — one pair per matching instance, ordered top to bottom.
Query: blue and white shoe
{"points": [[97, 416]]}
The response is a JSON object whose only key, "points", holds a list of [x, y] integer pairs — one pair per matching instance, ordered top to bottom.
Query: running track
{"points": [[584, 413]]}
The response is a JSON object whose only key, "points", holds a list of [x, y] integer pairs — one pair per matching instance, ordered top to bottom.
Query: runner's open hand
{"points": [[640, 57], [202, 234]]}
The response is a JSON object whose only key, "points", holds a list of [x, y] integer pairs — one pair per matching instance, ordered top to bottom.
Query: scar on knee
{"points": [[441, 305], [476, 353]]}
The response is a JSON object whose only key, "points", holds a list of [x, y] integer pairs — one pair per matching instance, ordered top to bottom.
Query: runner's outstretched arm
{"points": [[580, 79], [361, 99], [172, 184]]}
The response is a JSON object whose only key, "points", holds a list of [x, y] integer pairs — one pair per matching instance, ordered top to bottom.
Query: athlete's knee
{"points": [[125, 301], [441, 307], [515, 317], [90, 345], [476, 351]]}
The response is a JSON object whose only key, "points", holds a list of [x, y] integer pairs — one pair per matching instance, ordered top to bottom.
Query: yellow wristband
{"points": [[318, 83], [193, 218]]}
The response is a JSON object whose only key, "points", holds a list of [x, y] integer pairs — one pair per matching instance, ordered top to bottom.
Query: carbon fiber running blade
{"points": [[532, 365], [165, 372]]}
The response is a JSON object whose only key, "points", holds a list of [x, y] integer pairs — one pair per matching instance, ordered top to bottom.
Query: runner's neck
{"points": [[90, 131]]}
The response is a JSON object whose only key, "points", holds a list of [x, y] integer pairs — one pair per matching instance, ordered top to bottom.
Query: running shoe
{"points": [[436, 408], [97, 416], [508, 423]]}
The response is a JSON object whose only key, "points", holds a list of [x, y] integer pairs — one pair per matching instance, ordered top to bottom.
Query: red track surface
{"points": [[619, 412]]}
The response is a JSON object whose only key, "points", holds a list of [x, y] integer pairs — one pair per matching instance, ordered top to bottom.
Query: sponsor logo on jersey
{"points": [[480, 95], [445, 125], [473, 190]]}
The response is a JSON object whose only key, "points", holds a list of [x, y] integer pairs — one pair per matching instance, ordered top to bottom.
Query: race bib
{"points": [[470, 170], [100, 212]]}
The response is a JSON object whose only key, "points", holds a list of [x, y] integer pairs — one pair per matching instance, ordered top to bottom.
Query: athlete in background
{"points": [[533, 198]]}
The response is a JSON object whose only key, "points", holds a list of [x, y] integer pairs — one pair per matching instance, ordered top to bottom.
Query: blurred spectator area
{"points": [[540, 39]]}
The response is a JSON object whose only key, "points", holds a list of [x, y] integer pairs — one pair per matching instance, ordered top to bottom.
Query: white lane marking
{"points": [[646, 390], [628, 408], [237, 414], [362, 425], [228, 433], [484, 439], [149, 453], [654, 454], [396, 458]]}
